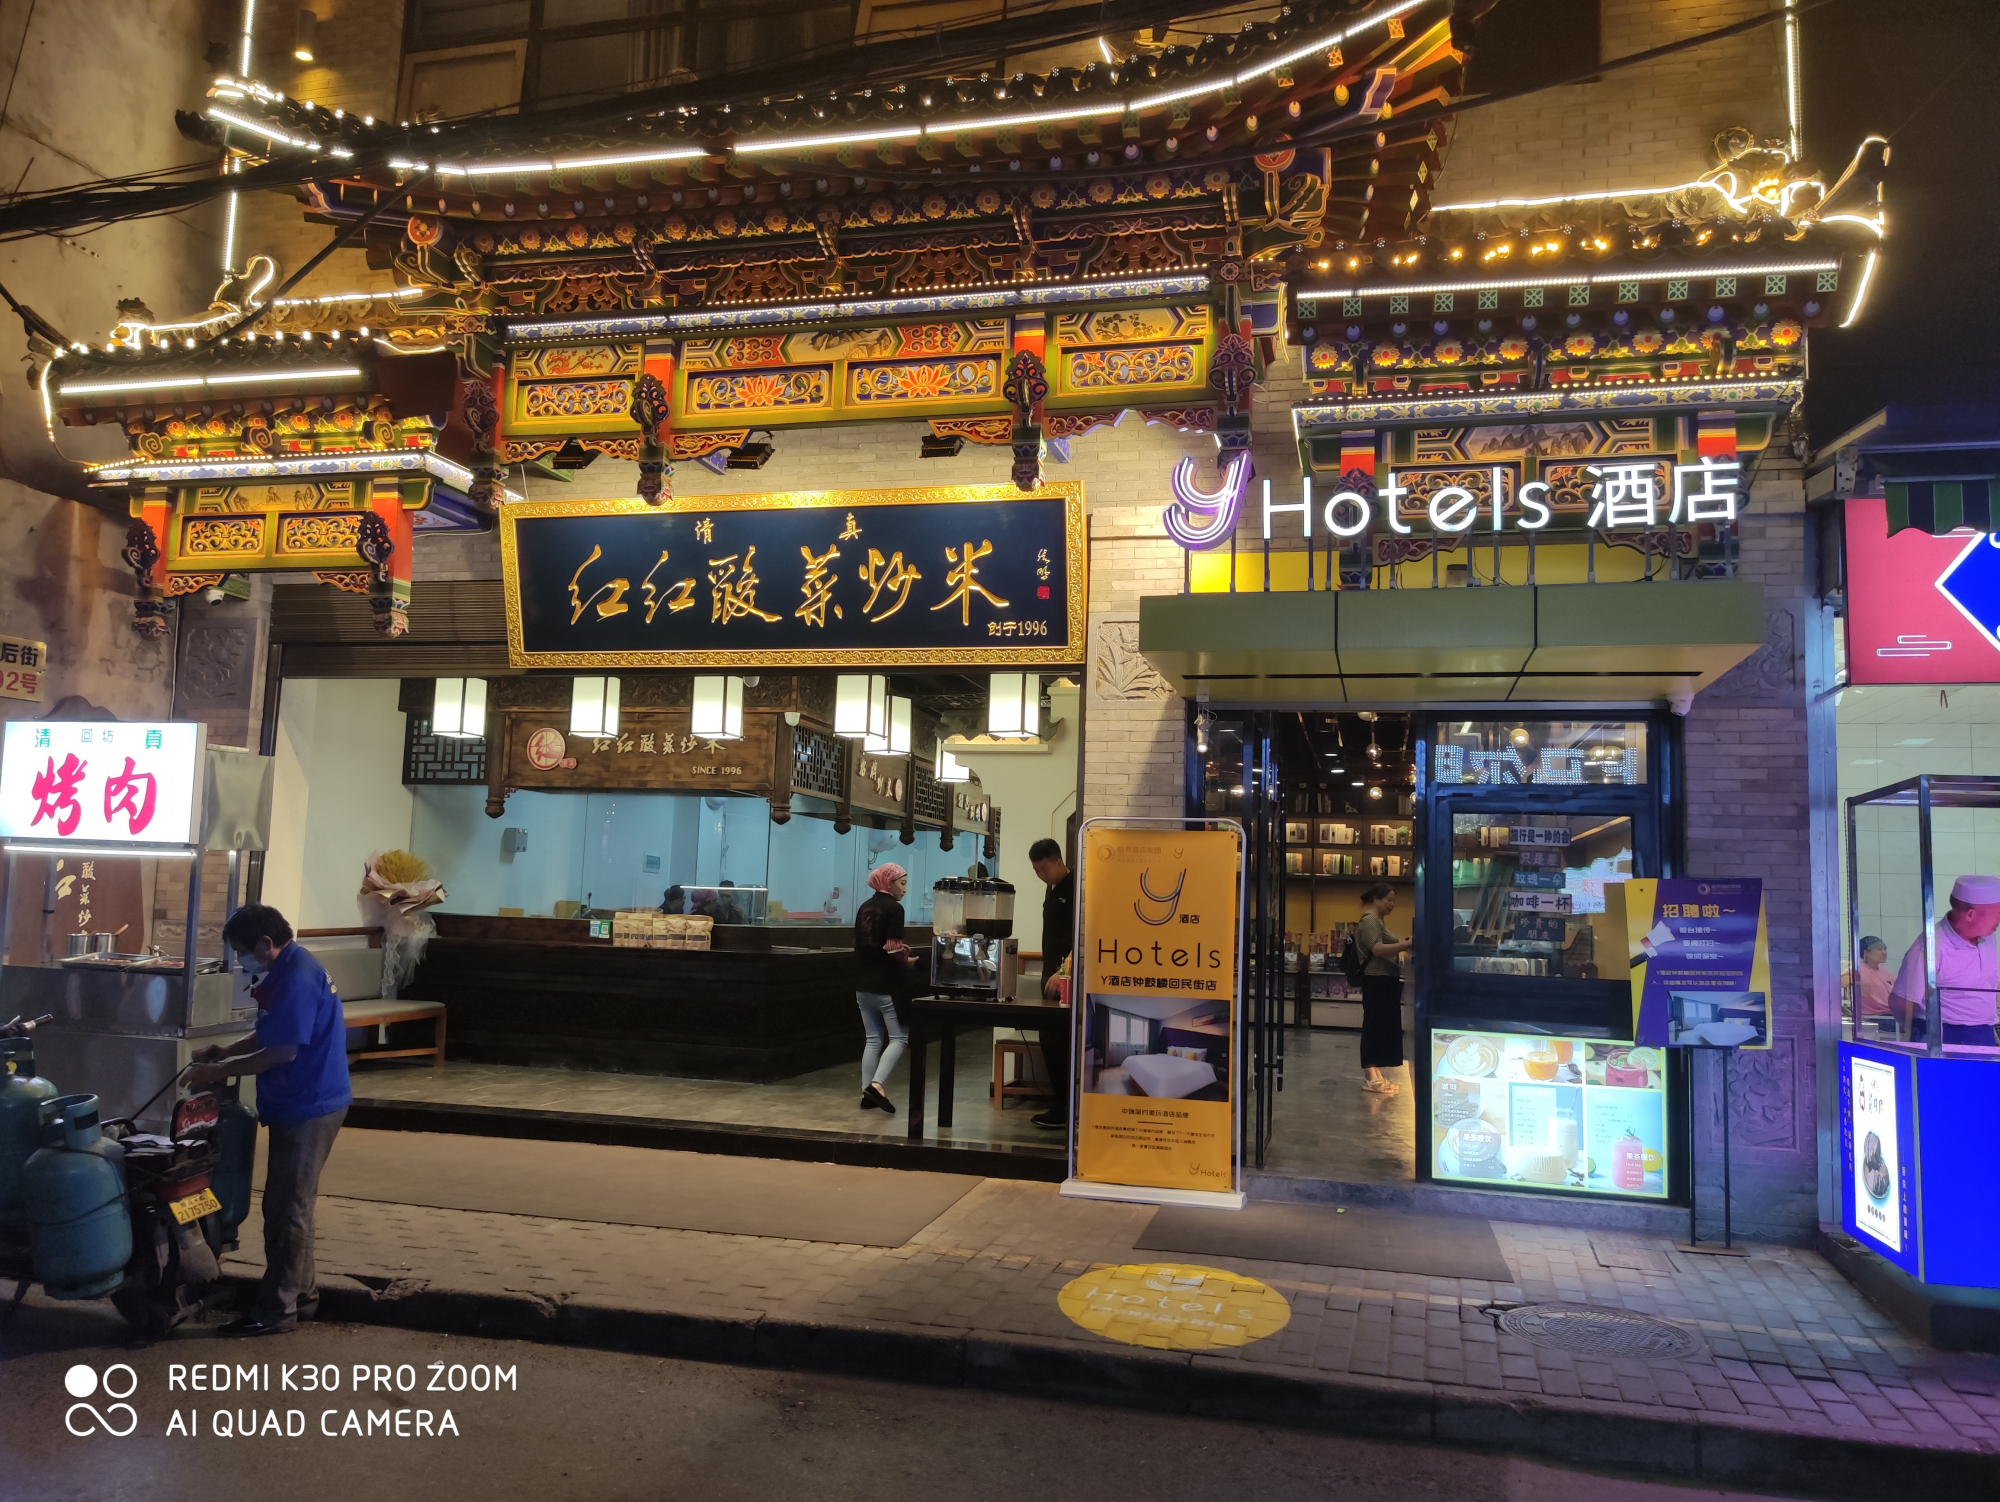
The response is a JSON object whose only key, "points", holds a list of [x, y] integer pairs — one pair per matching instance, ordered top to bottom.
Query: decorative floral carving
{"points": [[1154, 365], [929, 380], [760, 390], [576, 399], [204, 534], [319, 534], [1118, 671], [1771, 672], [1763, 1109]]}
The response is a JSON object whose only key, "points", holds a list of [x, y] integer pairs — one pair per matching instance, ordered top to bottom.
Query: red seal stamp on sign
{"points": [[546, 748]]}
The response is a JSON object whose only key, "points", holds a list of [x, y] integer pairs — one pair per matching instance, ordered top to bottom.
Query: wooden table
{"points": [[944, 1018]]}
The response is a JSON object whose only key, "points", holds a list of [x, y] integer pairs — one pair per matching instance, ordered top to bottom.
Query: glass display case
{"points": [[1916, 1097]]}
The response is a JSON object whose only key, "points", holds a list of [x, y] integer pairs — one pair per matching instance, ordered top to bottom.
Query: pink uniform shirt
{"points": [[1966, 972]]}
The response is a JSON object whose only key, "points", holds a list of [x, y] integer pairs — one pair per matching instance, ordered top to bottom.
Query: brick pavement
{"points": [[1791, 1350]]}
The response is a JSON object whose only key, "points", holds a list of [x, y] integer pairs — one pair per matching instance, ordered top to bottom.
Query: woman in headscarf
{"points": [[878, 944]]}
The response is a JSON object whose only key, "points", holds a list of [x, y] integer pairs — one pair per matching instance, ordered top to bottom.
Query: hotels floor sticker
{"points": [[1172, 1307]]}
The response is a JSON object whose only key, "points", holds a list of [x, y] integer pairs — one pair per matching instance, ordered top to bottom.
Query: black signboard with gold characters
{"points": [[827, 578]]}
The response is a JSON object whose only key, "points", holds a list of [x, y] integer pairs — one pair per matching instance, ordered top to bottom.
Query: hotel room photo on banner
{"points": [[1158, 970]]}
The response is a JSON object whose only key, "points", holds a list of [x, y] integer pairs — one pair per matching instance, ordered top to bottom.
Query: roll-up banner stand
{"points": [[1156, 1015]]}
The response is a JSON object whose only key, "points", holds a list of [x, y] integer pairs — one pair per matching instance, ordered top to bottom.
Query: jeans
{"points": [[878, 1016], [289, 1291]]}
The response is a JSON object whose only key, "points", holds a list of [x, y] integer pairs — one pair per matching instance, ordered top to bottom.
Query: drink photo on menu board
{"points": [[1566, 1114]]}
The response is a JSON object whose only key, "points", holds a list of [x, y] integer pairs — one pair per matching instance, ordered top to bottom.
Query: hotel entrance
{"points": [[1497, 838]]}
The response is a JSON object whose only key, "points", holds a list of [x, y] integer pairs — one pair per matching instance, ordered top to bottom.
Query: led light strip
{"points": [[1100, 111], [929, 128], [277, 136], [545, 164], [1648, 274], [1861, 292], [999, 295], [169, 383], [1375, 409], [429, 460], [135, 852]]}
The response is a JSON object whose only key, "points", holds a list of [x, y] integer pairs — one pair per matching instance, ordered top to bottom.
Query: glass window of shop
{"points": [[716, 854]]}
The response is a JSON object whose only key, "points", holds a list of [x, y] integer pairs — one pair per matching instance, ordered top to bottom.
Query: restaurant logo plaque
{"points": [[959, 574]]}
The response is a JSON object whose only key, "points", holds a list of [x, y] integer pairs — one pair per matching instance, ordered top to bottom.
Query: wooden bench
{"points": [[357, 972], [379, 1014]]}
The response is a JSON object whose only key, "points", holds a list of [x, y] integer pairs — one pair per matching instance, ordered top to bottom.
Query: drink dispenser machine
{"points": [[973, 949]]}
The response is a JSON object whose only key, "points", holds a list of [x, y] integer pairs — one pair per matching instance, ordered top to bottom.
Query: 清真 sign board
{"points": [[967, 574], [100, 782], [1157, 977]]}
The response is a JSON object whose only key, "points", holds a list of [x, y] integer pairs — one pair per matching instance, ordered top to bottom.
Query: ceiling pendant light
{"points": [[593, 706], [861, 707], [458, 709], [1011, 711], [717, 713], [899, 727]]}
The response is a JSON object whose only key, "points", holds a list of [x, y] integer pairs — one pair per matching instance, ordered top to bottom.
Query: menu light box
{"points": [[102, 782], [1575, 1115], [1877, 1142]]}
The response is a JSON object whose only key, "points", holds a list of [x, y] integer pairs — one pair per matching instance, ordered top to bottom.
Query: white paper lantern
{"points": [[593, 706], [718, 709], [1011, 709], [458, 711]]}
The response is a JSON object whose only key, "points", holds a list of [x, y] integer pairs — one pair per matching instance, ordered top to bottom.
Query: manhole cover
{"points": [[1589, 1331]]}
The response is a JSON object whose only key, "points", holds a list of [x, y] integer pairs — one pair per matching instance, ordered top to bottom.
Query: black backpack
{"points": [[1352, 962]]}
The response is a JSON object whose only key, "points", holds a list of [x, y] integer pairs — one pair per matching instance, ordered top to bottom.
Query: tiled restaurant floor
{"points": [[825, 1100], [1327, 1127]]}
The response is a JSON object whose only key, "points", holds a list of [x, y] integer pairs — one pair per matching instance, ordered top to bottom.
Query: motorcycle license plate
{"points": [[195, 1206]]}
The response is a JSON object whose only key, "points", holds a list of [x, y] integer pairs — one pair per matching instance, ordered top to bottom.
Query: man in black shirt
{"points": [[1058, 938]]}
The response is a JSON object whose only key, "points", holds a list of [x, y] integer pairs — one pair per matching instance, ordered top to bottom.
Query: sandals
{"points": [[1379, 1087]]}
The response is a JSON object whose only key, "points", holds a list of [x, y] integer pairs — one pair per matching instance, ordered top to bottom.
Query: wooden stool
{"points": [[1025, 1054]]}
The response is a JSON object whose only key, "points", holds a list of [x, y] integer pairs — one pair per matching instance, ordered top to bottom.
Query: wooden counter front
{"points": [[705, 1014]]}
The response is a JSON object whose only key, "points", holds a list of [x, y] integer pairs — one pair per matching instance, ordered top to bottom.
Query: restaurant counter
{"points": [[762, 1004]]}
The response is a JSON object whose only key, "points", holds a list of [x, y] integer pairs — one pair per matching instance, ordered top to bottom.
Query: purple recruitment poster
{"points": [[1703, 938]]}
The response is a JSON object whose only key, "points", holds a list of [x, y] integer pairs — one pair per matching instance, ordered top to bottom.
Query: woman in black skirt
{"points": [[1381, 989]]}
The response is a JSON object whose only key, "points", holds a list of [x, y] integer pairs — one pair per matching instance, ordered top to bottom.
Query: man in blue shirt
{"points": [[299, 1055]]}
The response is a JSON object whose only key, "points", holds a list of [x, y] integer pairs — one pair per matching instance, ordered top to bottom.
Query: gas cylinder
{"points": [[21, 1095], [236, 1137], [79, 1230]]}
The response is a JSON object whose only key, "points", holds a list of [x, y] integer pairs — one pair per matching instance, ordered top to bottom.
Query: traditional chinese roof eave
{"points": [[1775, 397]]}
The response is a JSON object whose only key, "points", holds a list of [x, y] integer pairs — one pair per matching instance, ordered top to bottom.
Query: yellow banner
{"points": [[1156, 976]]}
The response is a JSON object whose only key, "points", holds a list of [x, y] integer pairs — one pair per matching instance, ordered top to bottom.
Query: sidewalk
{"points": [[1802, 1386]]}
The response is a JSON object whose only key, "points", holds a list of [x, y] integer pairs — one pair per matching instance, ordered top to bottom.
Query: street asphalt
{"points": [[568, 1423]]}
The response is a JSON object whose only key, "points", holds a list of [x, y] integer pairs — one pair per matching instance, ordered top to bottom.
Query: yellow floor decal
{"points": [[1173, 1307]]}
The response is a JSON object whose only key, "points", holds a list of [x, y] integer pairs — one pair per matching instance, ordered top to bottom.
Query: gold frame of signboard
{"points": [[1076, 615]]}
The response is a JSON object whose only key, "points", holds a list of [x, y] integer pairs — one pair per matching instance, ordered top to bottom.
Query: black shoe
{"points": [[879, 1099], [868, 1101], [1052, 1119], [249, 1324]]}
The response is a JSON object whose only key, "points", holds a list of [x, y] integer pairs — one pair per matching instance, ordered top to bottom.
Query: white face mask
{"points": [[252, 965]]}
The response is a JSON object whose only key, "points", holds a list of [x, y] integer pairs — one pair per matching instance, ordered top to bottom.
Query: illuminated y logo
{"points": [[1201, 519]]}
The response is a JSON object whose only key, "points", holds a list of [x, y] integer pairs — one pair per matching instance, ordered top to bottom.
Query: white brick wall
{"points": [[1633, 128]]}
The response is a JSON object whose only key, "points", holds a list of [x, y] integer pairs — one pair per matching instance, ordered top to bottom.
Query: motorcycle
{"points": [[174, 1225]]}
